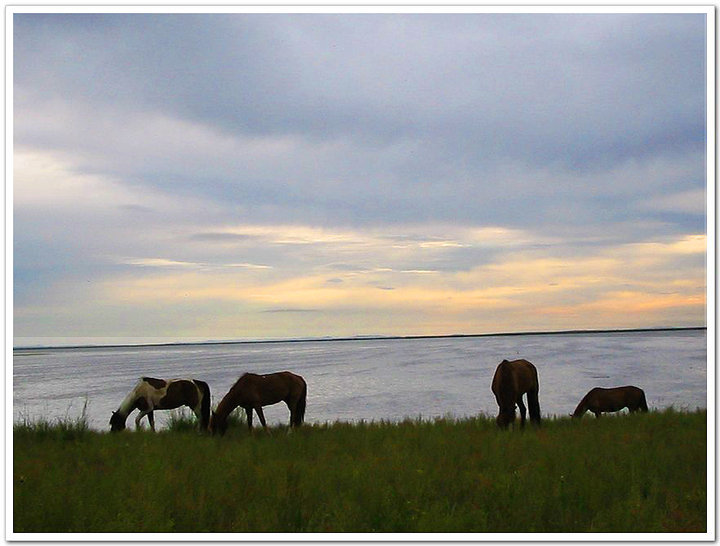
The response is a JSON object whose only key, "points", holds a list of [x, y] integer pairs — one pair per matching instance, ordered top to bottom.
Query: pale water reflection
{"points": [[388, 379]]}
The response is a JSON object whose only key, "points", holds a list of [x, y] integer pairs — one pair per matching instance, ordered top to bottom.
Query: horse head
{"points": [[505, 418], [117, 423], [218, 425]]}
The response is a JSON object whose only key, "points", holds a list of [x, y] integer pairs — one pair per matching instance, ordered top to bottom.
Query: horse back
{"points": [[519, 375], [526, 376], [512, 379], [154, 382], [294, 382], [284, 385], [267, 389], [632, 391], [180, 392], [635, 397], [616, 398]]}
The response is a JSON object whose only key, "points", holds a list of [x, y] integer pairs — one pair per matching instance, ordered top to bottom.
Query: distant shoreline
{"points": [[354, 338]]}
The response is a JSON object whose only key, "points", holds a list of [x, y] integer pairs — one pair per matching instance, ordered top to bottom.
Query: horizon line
{"points": [[360, 338]]}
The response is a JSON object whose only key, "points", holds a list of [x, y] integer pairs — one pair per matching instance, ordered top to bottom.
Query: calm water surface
{"points": [[387, 379]]}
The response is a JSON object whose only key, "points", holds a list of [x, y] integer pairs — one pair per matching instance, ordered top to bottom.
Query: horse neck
{"points": [[128, 403], [227, 404], [582, 407]]}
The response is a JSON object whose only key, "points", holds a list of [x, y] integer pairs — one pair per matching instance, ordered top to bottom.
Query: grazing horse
{"points": [[512, 379], [252, 392], [158, 394], [599, 400]]}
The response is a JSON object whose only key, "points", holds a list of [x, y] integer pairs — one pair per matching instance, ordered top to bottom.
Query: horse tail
{"points": [[502, 385], [532, 397], [204, 403], [643, 403], [300, 406], [534, 406]]}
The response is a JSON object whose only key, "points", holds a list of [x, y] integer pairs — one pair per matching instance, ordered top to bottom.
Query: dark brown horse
{"points": [[512, 379], [252, 392], [151, 394], [599, 400]]}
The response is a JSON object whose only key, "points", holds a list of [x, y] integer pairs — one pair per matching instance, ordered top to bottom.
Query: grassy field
{"points": [[633, 473]]}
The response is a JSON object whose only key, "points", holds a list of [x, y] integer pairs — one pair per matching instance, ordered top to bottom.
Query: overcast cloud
{"points": [[251, 176]]}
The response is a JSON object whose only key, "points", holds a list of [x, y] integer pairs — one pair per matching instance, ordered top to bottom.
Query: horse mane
{"points": [[239, 379], [227, 404], [127, 405], [582, 407]]}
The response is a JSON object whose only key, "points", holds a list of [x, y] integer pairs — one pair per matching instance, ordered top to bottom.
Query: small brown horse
{"points": [[512, 379], [252, 392], [151, 394], [599, 400]]}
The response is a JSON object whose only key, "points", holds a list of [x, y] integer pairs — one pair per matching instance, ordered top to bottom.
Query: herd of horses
{"points": [[516, 378], [251, 392]]}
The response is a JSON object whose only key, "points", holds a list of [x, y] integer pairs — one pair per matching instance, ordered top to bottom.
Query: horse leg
{"points": [[533, 406], [293, 409], [522, 411], [198, 413], [248, 414], [597, 414], [140, 415], [295, 415], [261, 416], [151, 418]]}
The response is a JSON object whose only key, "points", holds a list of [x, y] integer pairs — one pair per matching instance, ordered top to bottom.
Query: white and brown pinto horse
{"points": [[152, 394]]}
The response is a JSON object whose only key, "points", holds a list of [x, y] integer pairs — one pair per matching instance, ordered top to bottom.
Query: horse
{"points": [[512, 379], [252, 392], [150, 394], [599, 400]]}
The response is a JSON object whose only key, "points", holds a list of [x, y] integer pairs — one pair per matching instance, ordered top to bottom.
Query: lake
{"points": [[372, 379]]}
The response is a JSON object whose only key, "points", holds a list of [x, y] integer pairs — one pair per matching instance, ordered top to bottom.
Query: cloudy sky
{"points": [[235, 176]]}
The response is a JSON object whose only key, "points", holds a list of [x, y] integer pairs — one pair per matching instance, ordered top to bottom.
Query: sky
{"points": [[270, 176]]}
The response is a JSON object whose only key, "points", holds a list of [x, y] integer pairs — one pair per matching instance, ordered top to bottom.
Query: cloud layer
{"points": [[243, 176]]}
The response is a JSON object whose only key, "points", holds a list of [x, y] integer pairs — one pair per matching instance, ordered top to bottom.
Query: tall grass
{"points": [[182, 420], [62, 428], [634, 473]]}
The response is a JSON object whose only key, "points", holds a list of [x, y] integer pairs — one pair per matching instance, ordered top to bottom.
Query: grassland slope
{"points": [[632, 473]]}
